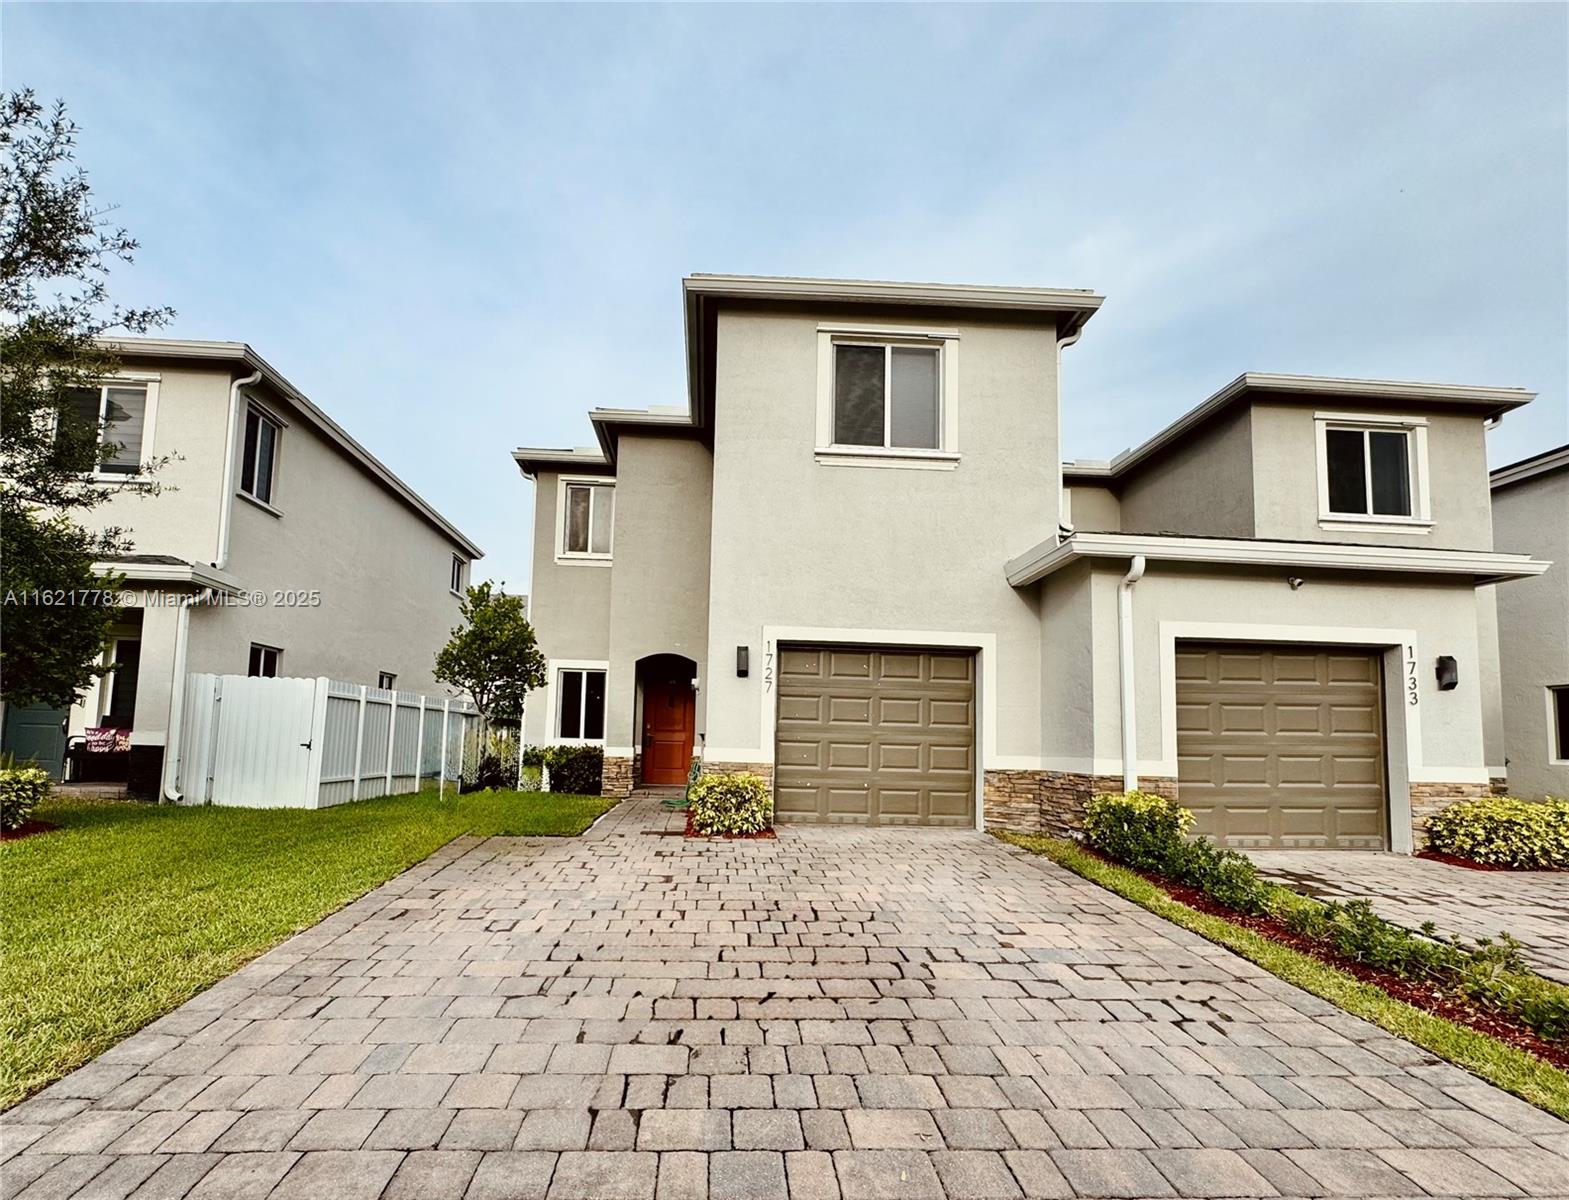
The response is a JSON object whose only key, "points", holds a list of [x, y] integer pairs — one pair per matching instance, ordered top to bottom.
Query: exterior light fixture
{"points": [[743, 667], [1448, 673]]}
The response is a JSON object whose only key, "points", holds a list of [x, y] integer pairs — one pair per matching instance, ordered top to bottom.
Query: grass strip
{"points": [[128, 910], [1502, 1065]]}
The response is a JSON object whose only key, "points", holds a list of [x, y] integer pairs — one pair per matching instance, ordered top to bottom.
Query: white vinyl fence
{"points": [[312, 743]]}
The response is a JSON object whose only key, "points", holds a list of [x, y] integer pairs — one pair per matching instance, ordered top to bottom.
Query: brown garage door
{"points": [[875, 737], [1281, 745]]}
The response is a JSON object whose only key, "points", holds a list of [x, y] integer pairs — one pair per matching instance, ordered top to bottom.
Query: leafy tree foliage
{"points": [[56, 249], [493, 656]]}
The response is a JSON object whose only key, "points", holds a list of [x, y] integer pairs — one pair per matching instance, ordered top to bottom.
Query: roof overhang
{"points": [[703, 294], [242, 359], [1484, 401], [533, 461], [1545, 463], [1481, 566], [198, 576]]}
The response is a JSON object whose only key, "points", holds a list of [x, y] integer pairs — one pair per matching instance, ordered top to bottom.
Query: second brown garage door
{"points": [[875, 736], [1282, 745]]}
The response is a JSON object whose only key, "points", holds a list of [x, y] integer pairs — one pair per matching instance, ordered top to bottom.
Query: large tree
{"points": [[56, 249], [493, 655]]}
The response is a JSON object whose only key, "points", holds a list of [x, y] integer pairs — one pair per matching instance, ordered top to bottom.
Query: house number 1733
{"points": [[1411, 687]]}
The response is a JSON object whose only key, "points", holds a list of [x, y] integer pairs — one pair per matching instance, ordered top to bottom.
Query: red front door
{"points": [[669, 715]]}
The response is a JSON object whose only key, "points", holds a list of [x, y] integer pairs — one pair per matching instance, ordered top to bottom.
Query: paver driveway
{"points": [[1532, 905], [856, 1013]]}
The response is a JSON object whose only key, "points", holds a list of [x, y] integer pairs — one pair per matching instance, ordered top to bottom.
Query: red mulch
{"points": [[26, 829], [729, 837], [1455, 860], [1426, 996]]}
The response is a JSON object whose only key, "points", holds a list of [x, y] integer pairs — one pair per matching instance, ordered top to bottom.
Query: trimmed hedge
{"points": [[578, 770], [22, 789], [730, 804], [1500, 831], [1148, 833]]}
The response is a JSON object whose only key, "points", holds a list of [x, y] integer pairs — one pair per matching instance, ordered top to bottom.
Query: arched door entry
{"points": [[669, 719]]}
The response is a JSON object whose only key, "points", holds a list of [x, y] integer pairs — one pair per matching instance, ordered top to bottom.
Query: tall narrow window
{"points": [[887, 396], [120, 416], [259, 461], [1368, 471], [586, 522], [459, 574], [580, 709], [1558, 721]]}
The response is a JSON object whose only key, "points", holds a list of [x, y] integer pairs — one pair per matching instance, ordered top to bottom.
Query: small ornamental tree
{"points": [[56, 319], [493, 656]]}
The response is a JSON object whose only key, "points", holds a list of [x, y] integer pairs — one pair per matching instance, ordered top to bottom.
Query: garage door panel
{"points": [[876, 736], [1282, 745]]}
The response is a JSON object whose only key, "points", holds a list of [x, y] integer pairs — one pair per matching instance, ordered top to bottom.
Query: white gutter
{"points": [[230, 454], [172, 739], [1130, 750]]}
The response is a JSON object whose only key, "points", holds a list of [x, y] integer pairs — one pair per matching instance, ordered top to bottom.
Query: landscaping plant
{"points": [[576, 769], [22, 789], [730, 804], [1500, 831], [1149, 833]]}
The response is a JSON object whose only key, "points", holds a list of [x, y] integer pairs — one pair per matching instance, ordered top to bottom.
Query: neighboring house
{"points": [[1531, 512], [278, 545], [856, 566]]}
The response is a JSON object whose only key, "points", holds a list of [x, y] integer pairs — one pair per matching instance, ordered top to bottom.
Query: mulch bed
{"points": [[26, 829], [728, 837], [1455, 860], [1426, 996]]}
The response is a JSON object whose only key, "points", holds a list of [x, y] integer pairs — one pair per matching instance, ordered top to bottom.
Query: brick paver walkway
{"points": [[1531, 905], [840, 1013]]}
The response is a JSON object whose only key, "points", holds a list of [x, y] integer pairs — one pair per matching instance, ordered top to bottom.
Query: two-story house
{"points": [[1531, 512], [276, 545], [857, 565]]}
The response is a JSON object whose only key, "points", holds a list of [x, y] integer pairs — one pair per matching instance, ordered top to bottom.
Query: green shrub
{"points": [[576, 769], [21, 790], [730, 804], [1138, 829], [1500, 831]]}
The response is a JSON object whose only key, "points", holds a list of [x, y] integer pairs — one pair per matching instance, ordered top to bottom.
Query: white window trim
{"points": [[944, 341], [149, 427], [277, 456], [1421, 519], [583, 558], [463, 575], [277, 660], [553, 682], [1552, 725]]}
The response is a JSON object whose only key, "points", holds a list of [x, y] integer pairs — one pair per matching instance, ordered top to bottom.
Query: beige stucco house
{"points": [[1531, 512], [277, 545], [857, 564]]}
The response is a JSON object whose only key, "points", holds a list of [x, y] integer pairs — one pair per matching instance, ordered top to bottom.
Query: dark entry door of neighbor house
{"points": [[669, 718], [36, 734]]}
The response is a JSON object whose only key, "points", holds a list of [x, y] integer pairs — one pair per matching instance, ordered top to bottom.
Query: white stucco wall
{"points": [[1204, 485], [853, 551], [659, 585], [569, 603], [1533, 625]]}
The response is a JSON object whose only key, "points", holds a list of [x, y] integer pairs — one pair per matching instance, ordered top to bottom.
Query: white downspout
{"points": [[230, 454], [1064, 528], [173, 738], [1130, 749]]}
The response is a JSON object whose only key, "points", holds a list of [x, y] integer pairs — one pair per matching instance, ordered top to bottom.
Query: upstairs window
{"points": [[887, 396], [120, 416], [259, 462], [1372, 469], [587, 512], [460, 570], [264, 660], [386, 680], [580, 709]]}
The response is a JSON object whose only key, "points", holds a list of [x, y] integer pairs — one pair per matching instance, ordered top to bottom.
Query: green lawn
{"points": [[128, 910], [1500, 1064]]}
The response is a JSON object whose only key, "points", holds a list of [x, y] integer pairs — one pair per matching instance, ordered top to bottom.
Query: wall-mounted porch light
{"points": [[743, 661]]}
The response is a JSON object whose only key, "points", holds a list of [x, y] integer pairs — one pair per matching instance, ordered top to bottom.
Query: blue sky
{"points": [[458, 227]]}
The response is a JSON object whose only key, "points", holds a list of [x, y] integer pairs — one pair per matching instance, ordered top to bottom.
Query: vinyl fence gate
{"points": [[257, 742]]}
